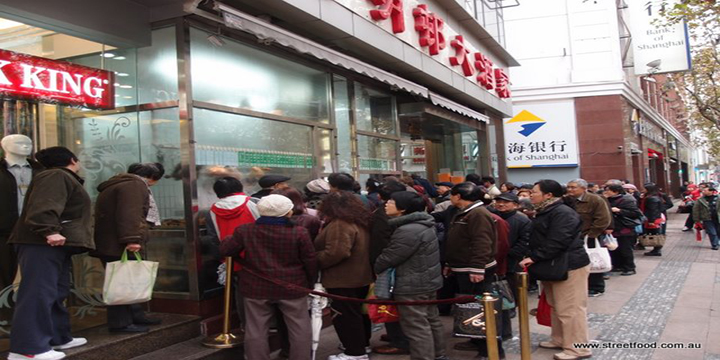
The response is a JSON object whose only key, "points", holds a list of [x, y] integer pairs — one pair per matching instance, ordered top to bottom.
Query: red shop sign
{"points": [[31, 77]]}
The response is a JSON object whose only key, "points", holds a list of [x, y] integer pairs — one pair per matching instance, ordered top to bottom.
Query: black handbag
{"points": [[555, 269], [469, 319]]}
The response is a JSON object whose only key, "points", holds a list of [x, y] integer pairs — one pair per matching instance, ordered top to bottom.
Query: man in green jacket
{"points": [[705, 211], [54, 225]]}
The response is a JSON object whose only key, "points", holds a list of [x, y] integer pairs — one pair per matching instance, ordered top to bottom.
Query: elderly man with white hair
{"points": [[596, 218]]}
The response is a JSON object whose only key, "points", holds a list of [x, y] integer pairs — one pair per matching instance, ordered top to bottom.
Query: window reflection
{"points": [[374, 110]]}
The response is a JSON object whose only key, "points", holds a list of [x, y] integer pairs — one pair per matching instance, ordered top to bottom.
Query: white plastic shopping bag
{"points": [[599, 258], [129, 281]]}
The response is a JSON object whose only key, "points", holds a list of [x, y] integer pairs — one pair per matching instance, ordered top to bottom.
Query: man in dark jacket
{"points": [[16, 172], [270, 183], [506, 206], [705, 211], [596, 218], [55, 224], [121, 224], [470, 251], [413, 252]]}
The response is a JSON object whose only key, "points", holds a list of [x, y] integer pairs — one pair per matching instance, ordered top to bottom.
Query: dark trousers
{"points": [[689, 223], [711, 229], [622, 257], [8, 268], [596, 282], [467, 287], [448, 291], [120, 316], [41, 319], [353, 328], [397, 337]]}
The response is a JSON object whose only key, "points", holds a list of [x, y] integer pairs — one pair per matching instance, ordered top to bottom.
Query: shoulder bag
{"points": [[555, 269]]}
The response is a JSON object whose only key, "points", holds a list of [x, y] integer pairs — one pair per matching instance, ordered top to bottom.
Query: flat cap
{"points": [[268, 181]]}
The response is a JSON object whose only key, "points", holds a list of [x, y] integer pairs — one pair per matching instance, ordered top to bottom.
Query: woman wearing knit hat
{"points": [[276, 248]]}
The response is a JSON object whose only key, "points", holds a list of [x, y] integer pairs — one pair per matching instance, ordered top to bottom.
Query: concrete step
{"points": [[105, 345], [192, 350]]}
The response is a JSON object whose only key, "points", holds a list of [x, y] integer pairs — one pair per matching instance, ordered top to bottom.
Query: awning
{"points": [[269, 33], [455, 107]]}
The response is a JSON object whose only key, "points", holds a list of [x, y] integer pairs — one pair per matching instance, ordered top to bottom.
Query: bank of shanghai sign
{"points": [[652, 41], [34, 78], [531, 141]]}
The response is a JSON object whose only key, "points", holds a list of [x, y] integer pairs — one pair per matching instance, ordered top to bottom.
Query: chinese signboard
{"points": [[431, 34], [653, 42], [36, 78], [545, 137]]}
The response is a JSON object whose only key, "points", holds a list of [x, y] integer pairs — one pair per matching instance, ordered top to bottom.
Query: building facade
{"points": [[578, 70], [246, 88]]}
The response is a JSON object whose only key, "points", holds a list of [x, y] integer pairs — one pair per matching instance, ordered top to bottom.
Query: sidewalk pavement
{"points": [[672, 299]]}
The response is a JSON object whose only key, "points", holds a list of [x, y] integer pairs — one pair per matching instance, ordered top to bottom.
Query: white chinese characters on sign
{"points": [[543, 136]]}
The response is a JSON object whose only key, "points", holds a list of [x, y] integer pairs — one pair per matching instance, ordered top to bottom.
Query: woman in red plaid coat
{"points": [[276, 248]]}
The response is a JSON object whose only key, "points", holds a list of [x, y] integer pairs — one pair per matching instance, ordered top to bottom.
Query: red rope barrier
{"points": [[458, 300]]}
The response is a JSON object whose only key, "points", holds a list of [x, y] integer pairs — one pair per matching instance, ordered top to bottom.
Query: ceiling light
{"points": [[216, 40], [108, 55], [119, 58], [121, 74], [116, 84], [126, 86], [127, 97]]}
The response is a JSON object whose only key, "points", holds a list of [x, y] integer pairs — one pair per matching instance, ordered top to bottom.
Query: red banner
{"points": [[31, 77]]}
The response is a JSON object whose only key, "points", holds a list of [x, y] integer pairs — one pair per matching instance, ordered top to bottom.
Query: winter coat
{"points": [[56, 203], [652, 207], [121, 210], [701, 210], [232, 211], [628, 211], [9, 212], [594, 214], [310, 222], [555, 230], [380, 232], [519, 238], [471, 240], [502, 244], [276, 248], [343, 252], [414, 253]]}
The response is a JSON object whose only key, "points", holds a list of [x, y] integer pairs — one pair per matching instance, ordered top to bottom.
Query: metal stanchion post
{"points": [[524, 316], [491, 335], [226, 339]]}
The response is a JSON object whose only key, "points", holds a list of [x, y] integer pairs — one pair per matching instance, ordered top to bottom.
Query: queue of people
{"points": [[442, 240]]}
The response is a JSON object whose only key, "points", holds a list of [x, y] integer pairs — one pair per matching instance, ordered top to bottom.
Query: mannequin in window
{"points": [[16, 173]]}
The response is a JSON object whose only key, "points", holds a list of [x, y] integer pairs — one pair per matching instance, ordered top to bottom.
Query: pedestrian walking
{"points": [[652, 206], [124, 212], [705, 212], [626, 217], [596, 218], [55, 224], [556, 237], [276, 248], [343, 252], [470, 252], [414, 253]]}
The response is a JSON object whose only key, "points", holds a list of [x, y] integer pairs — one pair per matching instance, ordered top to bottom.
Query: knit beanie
{"points": [[274, 205]]}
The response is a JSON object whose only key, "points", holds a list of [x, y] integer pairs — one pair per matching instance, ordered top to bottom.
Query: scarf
{"points": [[541, 206], [153, 215]]}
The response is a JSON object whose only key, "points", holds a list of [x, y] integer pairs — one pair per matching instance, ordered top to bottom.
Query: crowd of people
{"points": [[441, 239]]}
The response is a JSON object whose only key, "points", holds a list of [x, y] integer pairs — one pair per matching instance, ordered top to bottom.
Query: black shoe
{"points": [[714, 247], [653, 253], [628, 273], [593, 293], [147, 321], [131, 329]]}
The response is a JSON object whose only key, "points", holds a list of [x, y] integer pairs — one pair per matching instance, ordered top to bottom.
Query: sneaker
{"points": [[685, 228], [714, 247], [628, 273], [593, 293], [75, 342], [368, 349], [48, 355], [343, 356]]}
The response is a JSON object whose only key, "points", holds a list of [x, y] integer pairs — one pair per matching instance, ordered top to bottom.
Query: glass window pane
{"points": [[491, 20], [122, 62], [157, 68], [240, 76], [341, 99], [374, 110], [324, 142], [248, 147], [377, 154]]}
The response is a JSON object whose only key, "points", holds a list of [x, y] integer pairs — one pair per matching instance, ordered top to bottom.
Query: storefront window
{"points": [[157, 68], [240, 76], [341, 99], [374, 110], [325, 148], [377, 154]]}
